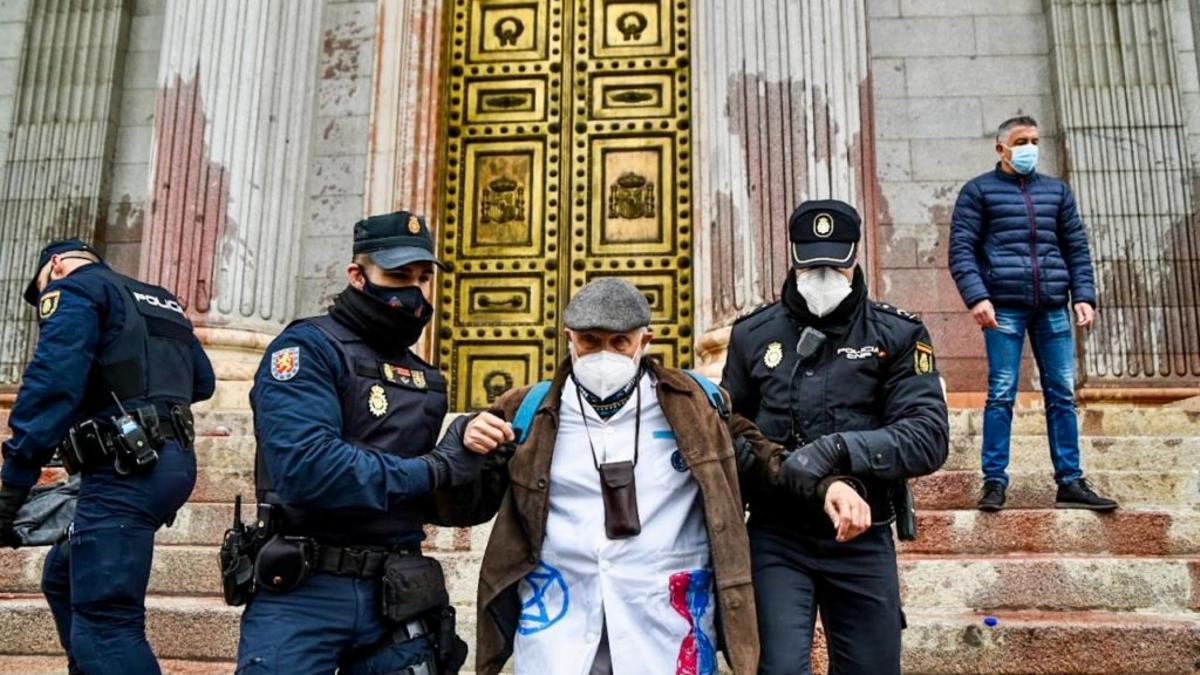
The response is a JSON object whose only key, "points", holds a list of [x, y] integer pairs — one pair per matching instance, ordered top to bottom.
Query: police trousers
{"points": [[95, 581], [853, 585], [321, 626]]}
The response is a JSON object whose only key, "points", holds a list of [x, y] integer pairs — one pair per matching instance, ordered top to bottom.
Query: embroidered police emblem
{"points": [[414, 225], [823, 225], [48, 305], [923, 354], [774, 355], [285, 363], [418, 379], [377, 401]]}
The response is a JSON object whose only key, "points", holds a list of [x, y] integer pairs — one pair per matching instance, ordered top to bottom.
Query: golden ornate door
{"points": [[567, 158]]}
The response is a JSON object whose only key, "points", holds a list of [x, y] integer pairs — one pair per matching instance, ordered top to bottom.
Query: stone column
{"points": [[406, 108], [782, 113], [233, 132], [59, 155]]}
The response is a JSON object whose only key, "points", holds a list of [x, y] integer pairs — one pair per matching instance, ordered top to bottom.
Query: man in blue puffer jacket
{"points": [[1020, 257]]}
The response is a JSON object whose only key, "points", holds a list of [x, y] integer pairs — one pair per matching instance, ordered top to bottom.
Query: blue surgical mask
{"points": [[1024, 158]]}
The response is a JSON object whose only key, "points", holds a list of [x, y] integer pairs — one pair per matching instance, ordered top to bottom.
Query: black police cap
{"points": [[824, 233], [395, 239], [52, 249]]}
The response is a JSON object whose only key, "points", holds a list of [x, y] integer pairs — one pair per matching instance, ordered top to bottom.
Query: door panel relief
{"points": [[567, 158]]}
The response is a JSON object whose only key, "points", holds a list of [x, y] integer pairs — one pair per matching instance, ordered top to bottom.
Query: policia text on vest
{"points": [[110, 385]]}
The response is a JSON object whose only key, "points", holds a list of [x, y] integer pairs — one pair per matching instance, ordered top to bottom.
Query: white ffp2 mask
{"points": [[823, 288], [604, 373]]}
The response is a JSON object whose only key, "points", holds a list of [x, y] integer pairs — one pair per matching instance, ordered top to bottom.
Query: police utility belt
{"points": [[130, 444], [413, 596]]}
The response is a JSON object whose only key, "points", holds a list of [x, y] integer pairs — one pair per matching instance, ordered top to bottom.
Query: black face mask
{"points": [[406, 299], [384, 326]]}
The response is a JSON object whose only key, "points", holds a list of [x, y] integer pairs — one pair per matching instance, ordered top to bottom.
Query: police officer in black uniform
{"points": [[115, 370], [851, 385], [346, 417]]}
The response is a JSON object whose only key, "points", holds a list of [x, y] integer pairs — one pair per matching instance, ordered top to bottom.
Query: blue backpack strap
{"points": [[711, 391], [528, 408]]}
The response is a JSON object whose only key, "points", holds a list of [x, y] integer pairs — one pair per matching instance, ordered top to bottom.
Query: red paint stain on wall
{"points": [[189, 202]]}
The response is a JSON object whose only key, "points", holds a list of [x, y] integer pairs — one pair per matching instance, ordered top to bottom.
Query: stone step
{"points": [[1093, 421], [1107, 453], [1112, 453], [1139, 470], [1036, 489], [942, 490], [1123, 532], [943, 582], [1053, 583], [178, 627], [935, 643], [1034, 643], [57, 665]]}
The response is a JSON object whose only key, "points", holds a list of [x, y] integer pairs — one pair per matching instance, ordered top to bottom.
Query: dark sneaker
{"points": [[1079, 495], [993, 496]]}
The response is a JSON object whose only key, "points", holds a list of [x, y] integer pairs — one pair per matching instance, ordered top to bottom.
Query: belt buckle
{"points": [[353, 561]]}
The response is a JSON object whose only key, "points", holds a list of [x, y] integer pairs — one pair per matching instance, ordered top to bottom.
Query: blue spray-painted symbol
{"points": [[549, 599]]}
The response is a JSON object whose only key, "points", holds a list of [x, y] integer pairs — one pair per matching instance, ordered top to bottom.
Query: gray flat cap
{"points": [[608, 304]]}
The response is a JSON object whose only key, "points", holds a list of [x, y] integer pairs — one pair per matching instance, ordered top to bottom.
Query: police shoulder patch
{"points": [[48, 304], [883, 306], [924, 361], [285, 363]]}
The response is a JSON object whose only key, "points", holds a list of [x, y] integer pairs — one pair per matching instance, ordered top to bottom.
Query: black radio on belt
{"points": [[135, 446]]}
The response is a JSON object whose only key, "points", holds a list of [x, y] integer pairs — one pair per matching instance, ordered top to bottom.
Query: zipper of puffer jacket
{"points": [[1037, 285]]}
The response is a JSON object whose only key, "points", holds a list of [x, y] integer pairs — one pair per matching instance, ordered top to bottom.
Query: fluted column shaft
{"points": [[782, 114], [233, 132], [59, 159]]}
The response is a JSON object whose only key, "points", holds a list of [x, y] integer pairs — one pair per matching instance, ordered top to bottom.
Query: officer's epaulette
{"points": [[883, 306], [757, 311]]}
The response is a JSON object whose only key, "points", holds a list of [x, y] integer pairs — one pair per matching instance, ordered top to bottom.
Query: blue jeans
{"points": [[1050, 335], [95, 582], [318, 628]]}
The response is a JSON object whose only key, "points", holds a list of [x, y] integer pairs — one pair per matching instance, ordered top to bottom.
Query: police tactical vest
{"points": [[151, 358], [393, 404]]}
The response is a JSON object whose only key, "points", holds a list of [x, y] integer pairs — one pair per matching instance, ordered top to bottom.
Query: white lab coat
{"points": [[587, 583]]}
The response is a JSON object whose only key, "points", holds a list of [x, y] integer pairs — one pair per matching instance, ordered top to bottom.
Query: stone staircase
{"points": [[1073, 592]]}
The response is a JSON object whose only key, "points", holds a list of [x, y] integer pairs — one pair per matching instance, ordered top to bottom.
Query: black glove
{"points": [[744, 455], [451, 463], [805, 468], [11, 500]]}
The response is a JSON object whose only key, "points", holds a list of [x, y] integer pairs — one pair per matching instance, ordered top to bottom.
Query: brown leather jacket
{"points": [[516, 491]]}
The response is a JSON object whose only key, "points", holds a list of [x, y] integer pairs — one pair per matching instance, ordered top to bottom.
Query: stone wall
{"points": [[945, 74], [339, 151], [337, 178]]}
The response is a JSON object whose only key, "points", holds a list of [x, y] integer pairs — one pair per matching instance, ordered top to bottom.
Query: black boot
{"points": [[1079, 495], [993, 496]]}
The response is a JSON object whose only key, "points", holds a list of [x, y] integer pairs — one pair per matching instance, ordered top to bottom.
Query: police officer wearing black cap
{"points": [[115, 370], [851, 385], [346, 417]]}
